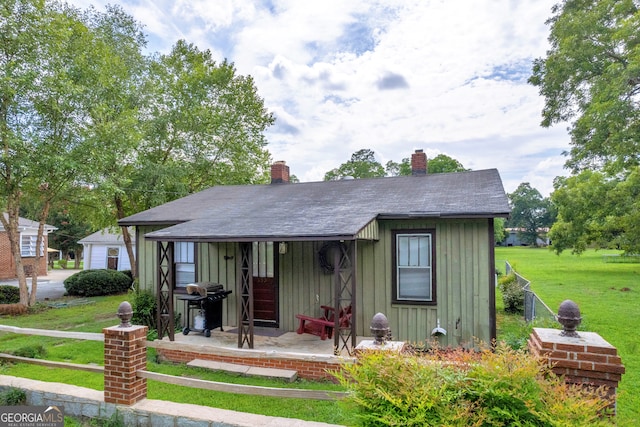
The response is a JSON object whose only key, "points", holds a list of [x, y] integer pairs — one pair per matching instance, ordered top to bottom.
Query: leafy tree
{"points": [[42, 49], [590, 76], [113, 108], [205, 125], [443, 163], [363, 164], [439, 164], [398, 169], [594, 209], [529, 212], [71, 227], [499, 232]]}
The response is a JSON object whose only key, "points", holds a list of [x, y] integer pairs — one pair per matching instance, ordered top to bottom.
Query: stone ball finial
{"points": [[125, 313], [569, 318], [379, 328]]}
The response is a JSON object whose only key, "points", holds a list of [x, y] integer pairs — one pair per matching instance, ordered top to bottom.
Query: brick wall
{"points": [[7, 264], [308, 369]]}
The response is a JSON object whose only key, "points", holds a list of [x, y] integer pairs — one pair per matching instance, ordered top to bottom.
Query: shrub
{"points": [[62, 263], [90, 283], [9, 294], [512, 294], [144, 309], [461, 388], [13, 397]]}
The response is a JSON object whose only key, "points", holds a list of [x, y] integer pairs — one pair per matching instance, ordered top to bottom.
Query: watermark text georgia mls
{"points": [[31, 416]]}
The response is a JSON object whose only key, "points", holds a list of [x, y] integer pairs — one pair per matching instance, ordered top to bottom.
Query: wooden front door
{"points": [[265, 285]]}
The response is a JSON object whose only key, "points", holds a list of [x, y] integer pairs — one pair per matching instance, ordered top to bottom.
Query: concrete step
{"points": [[285, 374]]}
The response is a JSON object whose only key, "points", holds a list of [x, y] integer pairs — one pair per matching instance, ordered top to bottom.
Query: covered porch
{"points": [[335, 276]]}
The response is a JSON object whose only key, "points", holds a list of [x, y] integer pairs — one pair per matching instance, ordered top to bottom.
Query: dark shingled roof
{"points": [[328, 210]]}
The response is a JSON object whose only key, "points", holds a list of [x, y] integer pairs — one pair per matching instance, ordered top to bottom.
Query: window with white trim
{"points": [[28, 245], [184, 263], [414, 278]]}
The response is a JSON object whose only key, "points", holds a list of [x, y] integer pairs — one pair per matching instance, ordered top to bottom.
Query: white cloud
{"points": [[458, 73]]}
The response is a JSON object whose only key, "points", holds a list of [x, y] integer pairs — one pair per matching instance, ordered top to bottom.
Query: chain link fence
{"points": [[534, 307]]}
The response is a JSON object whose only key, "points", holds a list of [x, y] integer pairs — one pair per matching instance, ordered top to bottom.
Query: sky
{"points": [[448, 77]]}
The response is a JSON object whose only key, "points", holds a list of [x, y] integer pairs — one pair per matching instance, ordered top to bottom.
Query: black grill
{"points": [[206, 300]]}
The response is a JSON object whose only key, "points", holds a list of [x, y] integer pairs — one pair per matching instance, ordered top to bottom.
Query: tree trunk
{"points": [[10, 224], [126, 237], [39, 247], [78, 257]]}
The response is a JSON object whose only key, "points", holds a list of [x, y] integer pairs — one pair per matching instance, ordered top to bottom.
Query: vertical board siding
{"points": [[147, 257], [217, 263], [462, 279], [304, 286]]}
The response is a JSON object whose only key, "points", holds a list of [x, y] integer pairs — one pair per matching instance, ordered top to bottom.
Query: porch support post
{"points": [[344, 275], [164, 292], [245, 296]]}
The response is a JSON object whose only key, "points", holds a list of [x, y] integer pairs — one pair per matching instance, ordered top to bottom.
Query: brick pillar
{"points": [[419, 163], [125, 352], [587, 360]]}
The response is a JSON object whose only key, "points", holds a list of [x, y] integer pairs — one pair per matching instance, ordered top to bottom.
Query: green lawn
{"points": [[598, 288], [608, 295], [101, 313]]}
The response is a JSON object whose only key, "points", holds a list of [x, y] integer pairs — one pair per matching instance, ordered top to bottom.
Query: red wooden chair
{"points": [[323, 326]]}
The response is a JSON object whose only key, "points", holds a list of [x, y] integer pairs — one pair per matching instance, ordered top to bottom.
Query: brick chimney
{"points": [[419, 163], [280, 172]]}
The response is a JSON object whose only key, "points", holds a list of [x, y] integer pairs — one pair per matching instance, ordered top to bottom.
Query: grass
{"points": [[608, 295], [100, 314]]}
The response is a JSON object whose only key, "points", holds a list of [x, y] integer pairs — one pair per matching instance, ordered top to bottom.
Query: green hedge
{"points": [[91, 283], [9, 294]]}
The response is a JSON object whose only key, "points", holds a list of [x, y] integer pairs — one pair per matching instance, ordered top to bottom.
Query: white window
{"points": [[28, 245], [262, 259], [185, 264], [414, 278]]}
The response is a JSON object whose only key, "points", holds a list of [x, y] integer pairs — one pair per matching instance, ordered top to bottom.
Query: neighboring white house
{"points": [[106, 249]]}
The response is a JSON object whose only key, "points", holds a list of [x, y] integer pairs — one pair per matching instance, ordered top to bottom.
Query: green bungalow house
{"points": [[419, 249]]}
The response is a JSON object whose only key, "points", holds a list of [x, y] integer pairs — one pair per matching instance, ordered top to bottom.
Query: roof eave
{"points": [[448, 215], [129, 223], [274, 238]]}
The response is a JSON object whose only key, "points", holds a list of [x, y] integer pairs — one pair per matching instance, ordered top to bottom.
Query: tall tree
{"points": [[41, 48], [590, 77], [204, 125], [113, 131], [443, 163], [363, 164], [439, 164], [398, 169], [597, 210], [530, 213], [71, 226]]}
